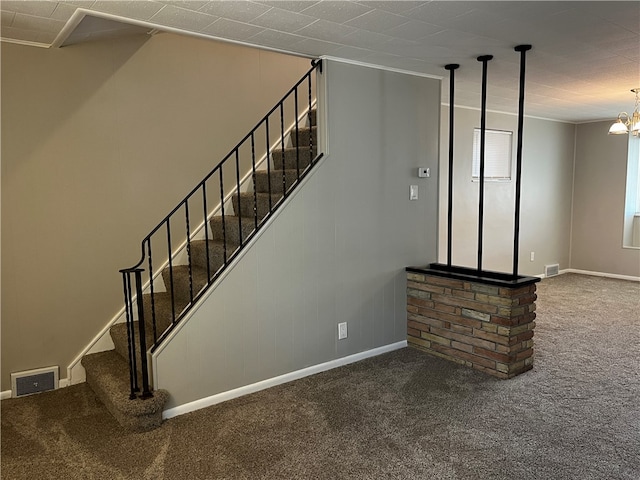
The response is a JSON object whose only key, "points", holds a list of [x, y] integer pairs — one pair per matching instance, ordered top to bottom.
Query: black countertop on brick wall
{"points": [[499, 279]]}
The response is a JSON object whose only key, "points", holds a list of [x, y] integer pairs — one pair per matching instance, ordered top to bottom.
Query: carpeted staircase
{"points": [[108, 372]]}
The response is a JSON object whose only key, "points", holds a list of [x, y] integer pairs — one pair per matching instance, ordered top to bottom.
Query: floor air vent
{"points": [[551, 270], [34, 381]]}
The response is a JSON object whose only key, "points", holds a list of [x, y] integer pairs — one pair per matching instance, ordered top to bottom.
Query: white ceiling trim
{"points": [[25, 42], [380, 67], [512, 114]]}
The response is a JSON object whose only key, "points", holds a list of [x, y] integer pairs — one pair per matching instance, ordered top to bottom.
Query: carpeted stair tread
{"points": [[313, 117], [305, 137], [293, 157], [262, 179], [248, 201], [232, 228], [216, 253], [181, 290], [163, 311], [120, 340], [108, 376]]}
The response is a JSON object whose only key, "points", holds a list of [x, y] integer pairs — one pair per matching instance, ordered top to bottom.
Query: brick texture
{"points": [[485, 327]]}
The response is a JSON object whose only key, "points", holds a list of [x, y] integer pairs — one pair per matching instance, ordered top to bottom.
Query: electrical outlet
{"points": [[533, 256], [342, 330]]}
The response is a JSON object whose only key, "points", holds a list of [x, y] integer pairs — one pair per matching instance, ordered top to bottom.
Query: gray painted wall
{"points": [[547, 176], [599, 195], [335, 253]]}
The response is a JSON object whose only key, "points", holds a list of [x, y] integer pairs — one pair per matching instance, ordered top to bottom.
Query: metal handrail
{"points": [[138, 337]]}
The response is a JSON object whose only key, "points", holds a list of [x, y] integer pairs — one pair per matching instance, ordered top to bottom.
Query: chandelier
{"points": [[626, 122]]}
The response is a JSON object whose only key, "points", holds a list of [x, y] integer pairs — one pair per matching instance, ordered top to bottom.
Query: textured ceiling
{"points": [[585, 57]]}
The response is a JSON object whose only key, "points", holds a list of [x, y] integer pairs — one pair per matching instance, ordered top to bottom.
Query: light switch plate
{"points": [[413, 192], [342, 330]]}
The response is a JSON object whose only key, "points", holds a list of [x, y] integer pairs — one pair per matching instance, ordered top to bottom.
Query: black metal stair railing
{"points": [[148, 322]]}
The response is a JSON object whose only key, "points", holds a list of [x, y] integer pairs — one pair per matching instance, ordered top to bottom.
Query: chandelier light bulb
{"points": [[627, 123]]}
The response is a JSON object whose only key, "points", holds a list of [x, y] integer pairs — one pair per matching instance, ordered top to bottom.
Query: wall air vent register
{"points": [[34, 381]]}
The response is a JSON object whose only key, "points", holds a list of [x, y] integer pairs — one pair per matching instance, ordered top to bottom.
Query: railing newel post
{"points": [[128, 301], [146, 392]]}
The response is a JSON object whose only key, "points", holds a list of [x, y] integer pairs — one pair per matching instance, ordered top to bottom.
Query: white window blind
{"points": [[497, 156]]}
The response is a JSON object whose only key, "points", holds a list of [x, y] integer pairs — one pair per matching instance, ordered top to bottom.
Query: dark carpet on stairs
{"points": [[401, 415]]}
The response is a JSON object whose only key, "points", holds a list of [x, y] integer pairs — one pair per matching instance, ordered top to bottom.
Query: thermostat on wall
{"points": [[424, 172]]}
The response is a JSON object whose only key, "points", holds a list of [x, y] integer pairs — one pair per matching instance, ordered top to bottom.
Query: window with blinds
{"points": [[497, 156]]}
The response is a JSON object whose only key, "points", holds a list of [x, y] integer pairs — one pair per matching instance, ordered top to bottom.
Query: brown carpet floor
{"points": [[402, 415]]}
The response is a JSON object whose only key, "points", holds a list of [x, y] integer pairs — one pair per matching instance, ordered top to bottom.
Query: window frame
{"points": [[507, 154], [631, 220]]}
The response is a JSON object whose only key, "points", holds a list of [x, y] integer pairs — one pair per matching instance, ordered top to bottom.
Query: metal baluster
{"points": [[295, 101], [311, 156], [268, 163], [284, 172], [253, 176], [239, 212], [224, 220], [206, 229], [169, 249], [190, 265], [152, 295]]}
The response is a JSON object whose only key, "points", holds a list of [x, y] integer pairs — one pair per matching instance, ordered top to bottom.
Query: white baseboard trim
{"points": [[602, 274], [100, 343], [272, 382], [6, 394]]}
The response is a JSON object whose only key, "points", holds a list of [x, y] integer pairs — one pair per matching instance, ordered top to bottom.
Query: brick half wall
{"points": [[488, 327]]}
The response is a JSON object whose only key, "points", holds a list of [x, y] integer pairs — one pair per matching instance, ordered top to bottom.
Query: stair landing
{"points": [[108, 376]]}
